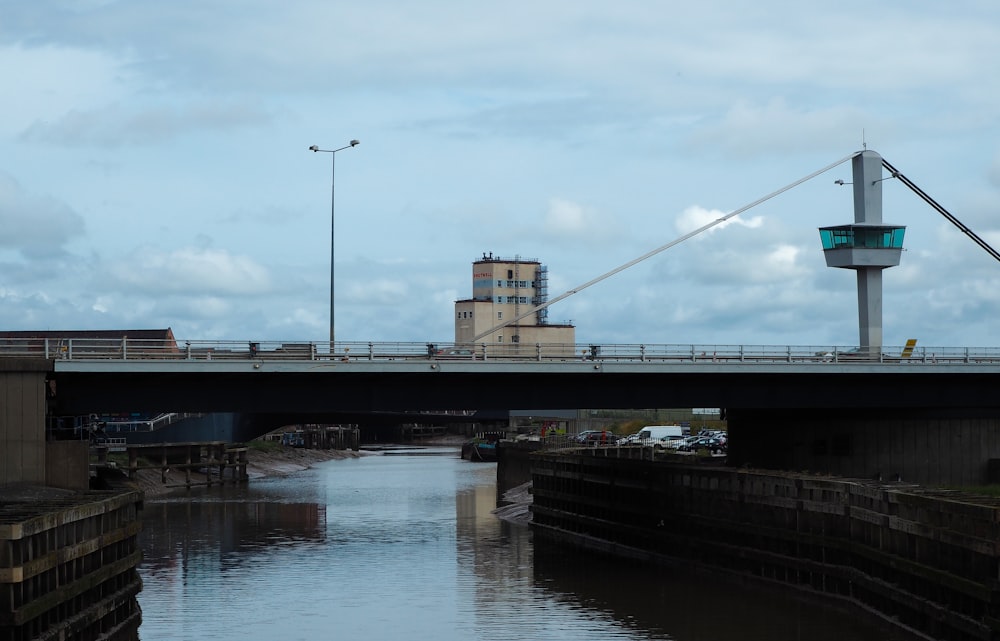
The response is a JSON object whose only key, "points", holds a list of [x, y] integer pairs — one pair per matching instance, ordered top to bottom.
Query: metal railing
{"points": [[128, 349], [147, 425]]}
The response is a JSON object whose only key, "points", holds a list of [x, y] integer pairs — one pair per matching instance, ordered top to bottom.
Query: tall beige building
{"points": [[502, 290]]}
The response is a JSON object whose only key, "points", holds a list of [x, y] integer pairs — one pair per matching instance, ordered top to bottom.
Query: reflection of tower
{"points": [[867, 247]]}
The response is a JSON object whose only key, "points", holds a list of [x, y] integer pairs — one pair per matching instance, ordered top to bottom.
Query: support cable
{"points": [[941, 210], [672, 243]]}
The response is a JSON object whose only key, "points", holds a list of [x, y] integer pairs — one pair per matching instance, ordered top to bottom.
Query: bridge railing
{"points": [[159, 349], [148, 425]]}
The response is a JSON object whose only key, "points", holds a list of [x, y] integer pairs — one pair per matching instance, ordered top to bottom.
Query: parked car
{"points": [[717, 434], [596, 437], [670, 442], [676, 444], [712, 444]]}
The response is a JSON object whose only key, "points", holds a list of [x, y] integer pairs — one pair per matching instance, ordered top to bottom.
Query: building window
{"points": [[510, 273], [499, 283], [459, 315], [499, 315], [500, 338], [516, 338]]}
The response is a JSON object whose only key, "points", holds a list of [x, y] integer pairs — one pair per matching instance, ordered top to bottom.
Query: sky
{"points": [[155, 171]]}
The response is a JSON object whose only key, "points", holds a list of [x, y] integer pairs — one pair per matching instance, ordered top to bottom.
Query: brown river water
{"points": [[403, 545]]}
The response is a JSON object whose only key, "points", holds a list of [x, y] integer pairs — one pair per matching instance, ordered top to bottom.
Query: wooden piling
{"points": [[214, 457]]}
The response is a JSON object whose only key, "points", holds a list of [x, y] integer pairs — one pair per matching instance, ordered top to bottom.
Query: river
{"points": [[402, 545]]}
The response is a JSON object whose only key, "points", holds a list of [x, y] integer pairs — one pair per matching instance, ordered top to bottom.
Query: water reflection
{"points": [[230, 530], [405, 546], [684, 603]]}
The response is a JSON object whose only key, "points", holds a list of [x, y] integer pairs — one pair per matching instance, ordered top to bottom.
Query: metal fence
{"points": [[90, 349]]}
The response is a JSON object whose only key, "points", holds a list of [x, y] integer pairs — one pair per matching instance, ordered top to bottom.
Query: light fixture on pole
{"points": [[333, 192]]}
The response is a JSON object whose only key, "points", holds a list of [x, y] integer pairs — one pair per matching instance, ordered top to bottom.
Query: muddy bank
{"points": [[276, 462], [260, 464]]}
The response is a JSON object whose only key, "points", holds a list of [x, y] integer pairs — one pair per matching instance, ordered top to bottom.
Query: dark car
{"points": [[596, 437], [712, 444]]}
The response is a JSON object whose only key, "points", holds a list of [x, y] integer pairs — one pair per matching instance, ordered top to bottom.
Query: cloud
{"points": [[39, 82], [570, 119], [120, 125], [183, 127], [748, 128], [994, 171], [269, 215], [565, 217], [696, 217], [568, 223], [35, 226], [191, 271], [376, 291]]}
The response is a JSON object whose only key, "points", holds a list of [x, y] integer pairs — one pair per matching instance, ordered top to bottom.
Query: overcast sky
{"points": [[154, 169]]}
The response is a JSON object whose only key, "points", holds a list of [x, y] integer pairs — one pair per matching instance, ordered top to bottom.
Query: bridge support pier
{"points": [[22, 420], [917, 446], [26, 457]]}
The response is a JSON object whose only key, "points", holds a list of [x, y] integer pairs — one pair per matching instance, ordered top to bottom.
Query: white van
{"points": [[654, 435]]}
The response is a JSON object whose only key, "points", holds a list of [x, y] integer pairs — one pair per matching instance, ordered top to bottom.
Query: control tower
{"points": [[867, 246]]}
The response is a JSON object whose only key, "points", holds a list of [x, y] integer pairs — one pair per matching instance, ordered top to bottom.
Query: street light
{"points": [[333, 187]]}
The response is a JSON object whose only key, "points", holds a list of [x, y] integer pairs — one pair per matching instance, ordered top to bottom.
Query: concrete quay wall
{"points": [[22, 420], [914, 445], [926, 562], [68, 564]]}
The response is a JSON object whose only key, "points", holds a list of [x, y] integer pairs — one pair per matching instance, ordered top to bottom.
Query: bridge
{"points": [[102, 375], [927, 414]]}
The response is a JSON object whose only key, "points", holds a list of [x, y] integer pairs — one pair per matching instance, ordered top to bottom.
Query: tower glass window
{"points": [[862, 237]]}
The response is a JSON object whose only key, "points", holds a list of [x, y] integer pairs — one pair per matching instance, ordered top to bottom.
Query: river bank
{"points": [[276, 460], [280, 461]]}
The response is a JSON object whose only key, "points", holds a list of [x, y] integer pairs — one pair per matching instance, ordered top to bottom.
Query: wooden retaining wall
{"points": [[213, 457], [926, 560], [68, 565]]}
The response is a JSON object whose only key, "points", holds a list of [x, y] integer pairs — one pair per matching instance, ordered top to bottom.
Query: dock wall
{"points": [[917, 445], [67, 465], [924, 561], [68, 565]]}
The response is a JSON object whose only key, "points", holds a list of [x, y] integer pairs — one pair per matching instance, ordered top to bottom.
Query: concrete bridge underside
{"points": [[482, 386], [927, 425]]}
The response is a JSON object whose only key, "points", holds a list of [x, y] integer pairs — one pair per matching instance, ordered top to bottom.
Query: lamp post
{"points": [[333, 187]]}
